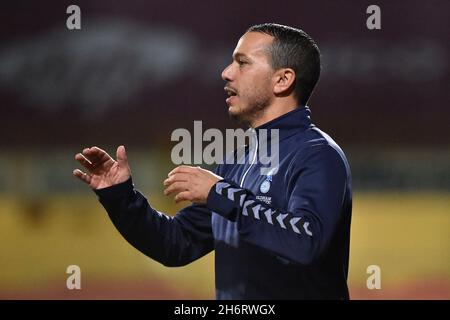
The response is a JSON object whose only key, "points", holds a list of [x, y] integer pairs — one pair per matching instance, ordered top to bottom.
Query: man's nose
{"points": [[226, 73]]}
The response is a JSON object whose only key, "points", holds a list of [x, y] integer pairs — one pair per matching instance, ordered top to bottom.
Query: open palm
{"points": [[102, 170]]}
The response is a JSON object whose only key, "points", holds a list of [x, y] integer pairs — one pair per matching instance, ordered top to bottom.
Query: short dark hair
{"points": [[293, 48]]}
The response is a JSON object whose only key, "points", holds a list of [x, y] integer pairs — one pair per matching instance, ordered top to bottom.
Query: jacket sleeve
{"points": [[302, 231], [172, 241]]}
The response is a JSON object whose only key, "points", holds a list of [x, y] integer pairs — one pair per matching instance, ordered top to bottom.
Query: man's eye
{"points": [[241, 62]]}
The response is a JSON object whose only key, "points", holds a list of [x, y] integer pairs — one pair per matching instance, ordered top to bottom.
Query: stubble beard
{"points": [[253, 111]]}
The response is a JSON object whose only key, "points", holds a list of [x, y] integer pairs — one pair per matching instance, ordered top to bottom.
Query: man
{"points": [[288, 239]]}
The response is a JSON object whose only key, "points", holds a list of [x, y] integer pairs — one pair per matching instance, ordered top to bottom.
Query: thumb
{"points": [[122, 156]]}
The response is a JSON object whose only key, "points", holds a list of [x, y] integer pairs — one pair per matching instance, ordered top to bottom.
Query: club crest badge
{"points": [[265, 186]]}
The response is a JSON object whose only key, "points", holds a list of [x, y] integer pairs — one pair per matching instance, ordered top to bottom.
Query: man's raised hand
{"points": [[102, 171], [190, 183]]}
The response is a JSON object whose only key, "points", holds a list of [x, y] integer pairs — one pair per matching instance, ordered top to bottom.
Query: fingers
{"points": [[96, 155], [122, 156], [84, 162], [182, 169], [82, 176], [176, 177], [178, 182], [176, 187], [183, 196]]}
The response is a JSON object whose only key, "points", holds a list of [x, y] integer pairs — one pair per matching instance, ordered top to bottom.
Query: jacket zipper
{"points": [[251, 163]]}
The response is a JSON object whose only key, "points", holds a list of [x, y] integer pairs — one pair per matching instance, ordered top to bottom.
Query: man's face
{"points": [[249, 78]]}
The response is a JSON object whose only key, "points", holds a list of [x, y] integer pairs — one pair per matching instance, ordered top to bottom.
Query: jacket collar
{"points": [[289, 123]]}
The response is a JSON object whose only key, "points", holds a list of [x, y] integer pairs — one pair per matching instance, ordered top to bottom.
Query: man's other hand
{"points": [[102, 171], [190, 183]]}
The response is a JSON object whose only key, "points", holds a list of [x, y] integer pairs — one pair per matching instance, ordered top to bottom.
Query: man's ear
{"points": [[284, 81]]}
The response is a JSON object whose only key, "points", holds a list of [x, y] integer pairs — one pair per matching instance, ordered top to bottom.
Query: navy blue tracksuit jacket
{"points": [[284, 236]]}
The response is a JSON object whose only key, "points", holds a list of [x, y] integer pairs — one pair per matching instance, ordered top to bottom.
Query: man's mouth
{"points": [[231, 92]]}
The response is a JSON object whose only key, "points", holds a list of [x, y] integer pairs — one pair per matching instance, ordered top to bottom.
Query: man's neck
{"points": [[275, 110]]}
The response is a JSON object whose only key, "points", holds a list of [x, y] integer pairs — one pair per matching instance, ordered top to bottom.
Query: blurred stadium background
{"points": [[137, 70]]}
